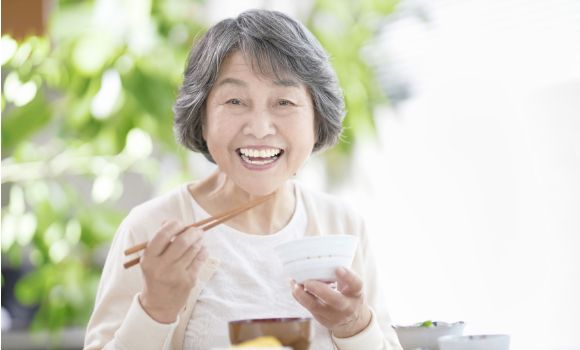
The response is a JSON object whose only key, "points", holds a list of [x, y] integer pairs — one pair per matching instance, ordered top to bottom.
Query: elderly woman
{"points": [[258, 98]]}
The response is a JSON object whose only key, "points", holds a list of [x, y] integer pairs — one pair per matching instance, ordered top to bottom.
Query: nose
{"points": [[260, 124]]}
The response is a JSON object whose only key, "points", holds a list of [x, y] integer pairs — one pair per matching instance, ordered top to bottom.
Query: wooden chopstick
{"points": [[209, 223]]}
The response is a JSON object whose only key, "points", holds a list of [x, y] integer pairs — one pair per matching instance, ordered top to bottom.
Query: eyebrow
{"points": [[232, 81], [278, 82], [286, 82]]}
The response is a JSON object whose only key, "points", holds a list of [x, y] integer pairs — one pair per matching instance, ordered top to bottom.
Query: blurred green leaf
{"points": [[344, 28], [154, 96], [19, 124], [30, 287]]}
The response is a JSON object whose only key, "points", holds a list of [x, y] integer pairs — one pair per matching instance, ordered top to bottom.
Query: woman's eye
{"points": [[234, 101], [285, 103]]}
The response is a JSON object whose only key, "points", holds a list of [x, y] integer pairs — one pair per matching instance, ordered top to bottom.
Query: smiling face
{"points": [[258, 129]]}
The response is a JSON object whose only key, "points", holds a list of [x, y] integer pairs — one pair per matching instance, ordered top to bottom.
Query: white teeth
{"points": [[262, 153], [267, 156], [258, 162]]}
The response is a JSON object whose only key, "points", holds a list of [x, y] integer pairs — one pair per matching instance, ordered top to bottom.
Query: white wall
{"points": [[473, 190]]}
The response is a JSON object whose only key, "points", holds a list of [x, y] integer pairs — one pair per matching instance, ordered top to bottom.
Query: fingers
{"points": [[163, 237], [182, 243], [189, 255], [197, 262], [349, 283], [326, 294], [319, 297], [306, 299]]}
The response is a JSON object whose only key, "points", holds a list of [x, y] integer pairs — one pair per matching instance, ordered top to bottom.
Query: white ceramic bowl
{"points": [[317, 257], [418, 337], [475, 342]]}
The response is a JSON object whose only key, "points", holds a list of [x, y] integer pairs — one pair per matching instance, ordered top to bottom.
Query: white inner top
{"points": [[249, 283]]}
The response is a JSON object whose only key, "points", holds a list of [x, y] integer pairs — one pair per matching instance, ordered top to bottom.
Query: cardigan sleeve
{"points": [[118, 321], [369, 338]]}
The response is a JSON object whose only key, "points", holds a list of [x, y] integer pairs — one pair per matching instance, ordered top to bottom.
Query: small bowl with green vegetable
{"points": [[424, 335]]}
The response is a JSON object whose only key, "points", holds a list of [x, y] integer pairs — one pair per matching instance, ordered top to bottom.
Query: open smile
{"points": [[259, 158]]}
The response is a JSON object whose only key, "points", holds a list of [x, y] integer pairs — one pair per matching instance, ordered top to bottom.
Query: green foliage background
{"points": [[63, 160]]}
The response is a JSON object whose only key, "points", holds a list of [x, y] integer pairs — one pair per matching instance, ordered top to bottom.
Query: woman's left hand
{"points": [[343, 311]]}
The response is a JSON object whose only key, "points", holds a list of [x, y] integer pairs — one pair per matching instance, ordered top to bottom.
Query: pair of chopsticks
{"points": [[209, 223]]}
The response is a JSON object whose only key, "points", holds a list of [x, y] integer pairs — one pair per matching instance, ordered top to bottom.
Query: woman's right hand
{"points": [[170, 266]]}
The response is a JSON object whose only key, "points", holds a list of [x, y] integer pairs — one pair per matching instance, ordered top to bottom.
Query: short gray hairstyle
{"points": [[274, 44]]}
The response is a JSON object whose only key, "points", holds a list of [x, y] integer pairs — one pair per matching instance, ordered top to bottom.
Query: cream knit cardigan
{"points": [[119, 322]]}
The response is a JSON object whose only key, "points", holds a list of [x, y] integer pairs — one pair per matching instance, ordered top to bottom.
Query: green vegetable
{"points": [[427, 324]]}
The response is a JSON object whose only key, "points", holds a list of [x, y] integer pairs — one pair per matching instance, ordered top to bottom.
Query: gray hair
{"points": [[274, 44]]}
